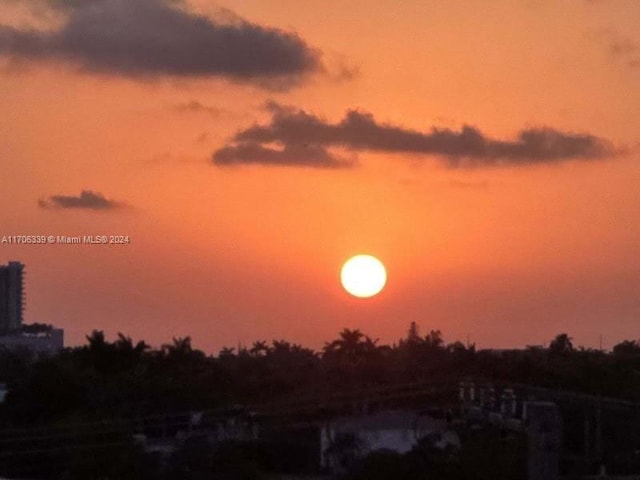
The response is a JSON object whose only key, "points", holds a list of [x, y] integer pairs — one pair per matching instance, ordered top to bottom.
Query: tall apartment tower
{"points": [[11, 297]]}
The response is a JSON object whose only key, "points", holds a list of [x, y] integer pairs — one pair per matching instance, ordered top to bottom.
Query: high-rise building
{"points": [[11, 297]]}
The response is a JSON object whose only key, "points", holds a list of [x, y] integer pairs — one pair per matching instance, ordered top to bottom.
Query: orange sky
{"points": [[510, 253]]}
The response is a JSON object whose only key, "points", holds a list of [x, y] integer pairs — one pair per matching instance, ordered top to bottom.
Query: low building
{"points": [[41, 339], [44, 343], [167, 435], [347, 439]]}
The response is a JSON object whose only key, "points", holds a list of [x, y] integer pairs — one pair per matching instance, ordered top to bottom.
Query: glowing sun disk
{"points": [[363, 276]]}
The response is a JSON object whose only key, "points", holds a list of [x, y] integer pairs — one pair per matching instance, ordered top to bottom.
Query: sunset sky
{"points": [[486, 151]]}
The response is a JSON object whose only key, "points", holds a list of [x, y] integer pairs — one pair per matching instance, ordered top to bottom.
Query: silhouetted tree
{"points": [[413, 335], [434, 339], [561, 345], [352, 346], [259, 348], [627, 348], [226, 352], [109, 381]]}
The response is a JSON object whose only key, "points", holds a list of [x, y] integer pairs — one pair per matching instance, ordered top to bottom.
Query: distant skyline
{"points": [[485, 152]]}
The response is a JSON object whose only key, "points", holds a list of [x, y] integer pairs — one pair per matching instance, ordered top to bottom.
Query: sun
{"points": [[363, 276]]}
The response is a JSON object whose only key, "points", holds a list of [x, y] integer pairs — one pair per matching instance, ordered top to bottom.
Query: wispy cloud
{"points": [[620, 47], [626, 50], [195, 106], [296, 137], [468, 185], [87, 199]]}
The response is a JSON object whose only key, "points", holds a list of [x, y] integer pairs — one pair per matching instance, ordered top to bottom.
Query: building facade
{"points": [[11, 297], [37, 338], [48, 343], [347, 439]]}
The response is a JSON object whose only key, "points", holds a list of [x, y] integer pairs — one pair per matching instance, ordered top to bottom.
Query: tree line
{"points": [[123, 378], [65, 410]]}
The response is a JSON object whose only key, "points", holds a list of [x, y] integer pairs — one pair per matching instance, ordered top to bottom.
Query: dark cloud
{"points": [[143, 38], [292, 129], [290, 155], [86, 200]]}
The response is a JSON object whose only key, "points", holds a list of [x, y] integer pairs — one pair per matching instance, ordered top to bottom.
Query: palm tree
{"points": [[96, 340], [125, 344], [352, 345], [280, 347], [181, 349], [259, 349], [226, 352], [100, 353]]}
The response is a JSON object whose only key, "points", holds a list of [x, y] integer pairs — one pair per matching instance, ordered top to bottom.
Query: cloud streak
{"points": [[150, 38], [620, 47], [626, 50], [194, 106], [295, 132], [291, 155], [87, 200]]}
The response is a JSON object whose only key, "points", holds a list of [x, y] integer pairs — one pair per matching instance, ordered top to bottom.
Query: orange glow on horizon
{"points": [[504, 253]]}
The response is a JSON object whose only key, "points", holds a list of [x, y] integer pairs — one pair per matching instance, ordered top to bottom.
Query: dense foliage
{"points": [[122, 378], [106, 382]]}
